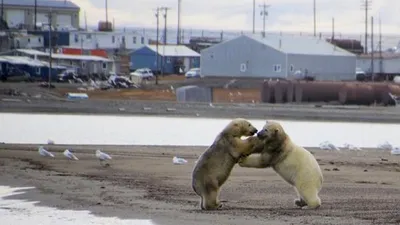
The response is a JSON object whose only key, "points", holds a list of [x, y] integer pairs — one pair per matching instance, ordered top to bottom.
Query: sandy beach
{"points": [[361, 187]]}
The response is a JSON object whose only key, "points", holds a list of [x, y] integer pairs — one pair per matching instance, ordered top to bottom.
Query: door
{"points": [[15, 17], [42, 18], [64, 20], [186, 63]]}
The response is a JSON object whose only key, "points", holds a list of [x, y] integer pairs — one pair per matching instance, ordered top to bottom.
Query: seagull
{"points": [[44, 152], [70, 155], [102, 156], [178, 161]]}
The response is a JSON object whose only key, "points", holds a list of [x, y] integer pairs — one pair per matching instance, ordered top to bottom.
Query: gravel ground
{"points": [[361, 187]]}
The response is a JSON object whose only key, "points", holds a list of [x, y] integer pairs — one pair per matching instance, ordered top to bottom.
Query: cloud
{"points": [[284, 15]]}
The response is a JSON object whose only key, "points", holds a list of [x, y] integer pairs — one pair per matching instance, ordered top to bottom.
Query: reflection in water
{"points": [[144, 130], [27, 213]]}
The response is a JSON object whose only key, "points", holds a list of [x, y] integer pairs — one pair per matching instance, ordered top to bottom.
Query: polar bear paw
{"points": [[300, 202]]}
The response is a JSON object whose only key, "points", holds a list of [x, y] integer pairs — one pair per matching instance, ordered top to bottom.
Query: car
{"points": [[144, 73], [193, 73], [360, 74]]}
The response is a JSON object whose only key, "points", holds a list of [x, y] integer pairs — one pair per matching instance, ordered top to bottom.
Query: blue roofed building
{"points": [[21, 13], [171, 57]]}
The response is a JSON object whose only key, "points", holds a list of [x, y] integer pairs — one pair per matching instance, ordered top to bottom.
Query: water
{"points": [[143, 130], [23, 212]]}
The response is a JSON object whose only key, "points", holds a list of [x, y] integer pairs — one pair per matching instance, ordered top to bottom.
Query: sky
{"points": [[283, 15]]}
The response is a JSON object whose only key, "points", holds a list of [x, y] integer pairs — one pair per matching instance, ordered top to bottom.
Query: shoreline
{"points": [[203, 110]]}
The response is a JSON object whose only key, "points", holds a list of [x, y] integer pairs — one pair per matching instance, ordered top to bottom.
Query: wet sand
{"points": [[361, 187]]}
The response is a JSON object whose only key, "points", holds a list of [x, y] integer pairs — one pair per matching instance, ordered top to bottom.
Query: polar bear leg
{"points": [[255, 160], [310, 197], [210, 200], [299, 201]]}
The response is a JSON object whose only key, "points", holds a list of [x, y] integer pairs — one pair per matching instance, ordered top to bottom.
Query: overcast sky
{"points": [[284, 15]]}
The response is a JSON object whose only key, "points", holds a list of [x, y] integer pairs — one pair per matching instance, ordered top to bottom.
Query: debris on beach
{"points": [[326, 145], [385, 146], [351, 147], [395, 151], [44, 152], [70, 155], [103, 157], [179, 161]]}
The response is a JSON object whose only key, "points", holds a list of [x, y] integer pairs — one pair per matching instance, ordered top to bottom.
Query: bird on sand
{"points": [[44, 152], [70, 155], [102, 157]]}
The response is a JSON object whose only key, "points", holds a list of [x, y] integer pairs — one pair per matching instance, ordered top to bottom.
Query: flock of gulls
{"points": [[326, 145], [101, 156]]}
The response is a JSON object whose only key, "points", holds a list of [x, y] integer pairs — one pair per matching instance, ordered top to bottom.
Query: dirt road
{"points": [[360, 187]]}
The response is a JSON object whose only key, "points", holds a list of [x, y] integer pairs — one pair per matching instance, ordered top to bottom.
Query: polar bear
{"points": [[216, 163], [293, 163]]}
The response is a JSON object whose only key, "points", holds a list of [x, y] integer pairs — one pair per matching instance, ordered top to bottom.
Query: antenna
{"points": [[365, 5], [264, 14], [254, 16], [315, 19], [85, 21], [178, 34], [380, 47]]}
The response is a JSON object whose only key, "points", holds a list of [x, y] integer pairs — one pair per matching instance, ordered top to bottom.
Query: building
{"points": [[21, 13], [107, 40], [28, 41], [279, 57], [173, 58], [386, 63], [85, 64]]}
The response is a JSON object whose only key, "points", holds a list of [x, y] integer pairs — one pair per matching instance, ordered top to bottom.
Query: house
{"points": [[21, 13], [107, 40], [28, 41], [277, 56], [171, 58], [385, 63], [86, 64], [11, 65]]}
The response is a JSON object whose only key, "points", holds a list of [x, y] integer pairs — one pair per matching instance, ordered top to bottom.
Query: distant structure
{"points": [[20, 14]]}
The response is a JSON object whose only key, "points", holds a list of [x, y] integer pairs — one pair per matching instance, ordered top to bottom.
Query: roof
{"points": [[43, 3], [303, 45], [174, 50], [385, 55], [64, 56], [22, 60]]}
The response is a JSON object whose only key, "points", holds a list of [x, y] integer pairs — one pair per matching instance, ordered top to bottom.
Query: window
{"points": [[88, 36], [76, 38], [113, 39], [123, 39], [29, 40], [40, 40], [134, 40], [142, 40], [168, 59], [70, 62], [83, 65], [104, 65], [243, 67], [291, 67], [277, 68], [37, 70]]}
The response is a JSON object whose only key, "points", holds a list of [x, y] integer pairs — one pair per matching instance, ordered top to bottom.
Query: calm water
{"points": [[141, 130], [24, 213]]}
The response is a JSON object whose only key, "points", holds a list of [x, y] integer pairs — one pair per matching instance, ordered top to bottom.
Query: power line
{"points": [[365, 5], [264, 14], [157, 16], [315, 19], [165, 37]]}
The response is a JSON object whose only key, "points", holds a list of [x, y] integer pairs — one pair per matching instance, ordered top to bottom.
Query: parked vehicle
{"points": [[144, 73], [193, 73], [360, 74], [119, 81]]}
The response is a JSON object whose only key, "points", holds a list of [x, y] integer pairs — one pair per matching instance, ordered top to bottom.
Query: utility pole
{"points": [[366, 4], [106, 7], [264, 14], [157, 16], [254, 16], [50, 19], [315, 19], [35, 20], [333, 29], [178, 35], [165, 38], [372, 47], [380, 48]]}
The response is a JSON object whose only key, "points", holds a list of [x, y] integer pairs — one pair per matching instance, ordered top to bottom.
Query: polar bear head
{"points": [[240, 127], [272, 132]]}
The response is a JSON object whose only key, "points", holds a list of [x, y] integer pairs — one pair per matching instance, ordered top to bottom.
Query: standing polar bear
{"points": [[216, 163], [293, 163]]}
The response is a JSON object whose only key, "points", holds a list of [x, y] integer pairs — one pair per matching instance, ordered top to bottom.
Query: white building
{"points": [[21, 13], [107, 40], [28, 41], [390, 63]]}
